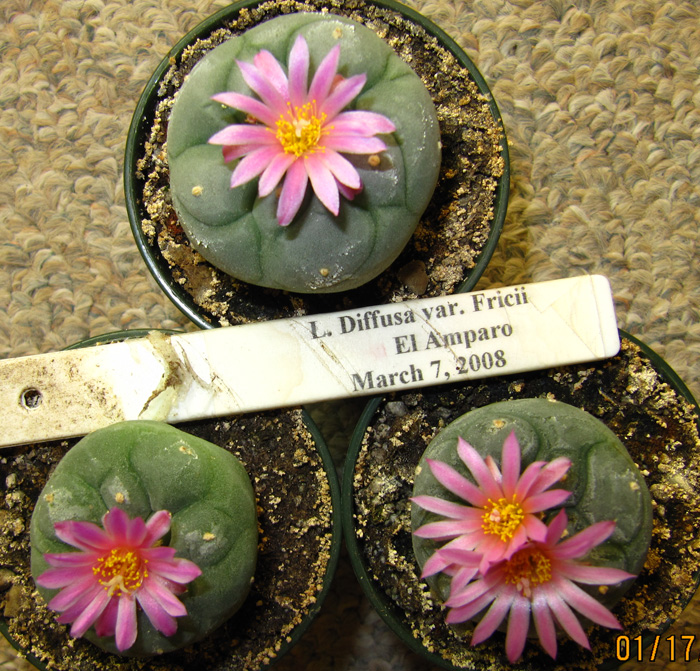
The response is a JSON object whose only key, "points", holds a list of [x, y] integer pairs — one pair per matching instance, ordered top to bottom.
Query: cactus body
{"points": [[238, 232], [143, 467], [604, 482]]}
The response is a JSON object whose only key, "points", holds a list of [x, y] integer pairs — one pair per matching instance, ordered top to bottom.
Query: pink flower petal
{"points": [[269, 67], [298, 72], [325, 74], [263, 87], [341, 96], [249, 105], [360, 122], [245, 134], [352, 144], [232, 152], [252, 165], [342, 169], [274, 172], [323, 183], [293, 191], [348, 192], [510, 465], [552, 472], [484, 478], [527, 480], [453, 481], [545, 500], [449, 509], [116, 524], [157, 526], [556, 528], [447, 529], [536, 529], [82, 535], [581, 543], [493, 549], [158, 553], [71, 559], [436, 563], [178, 570], [592, 575], [61, 577], [463, 577], [73, 592], [470, 593], [163, 595], [584, 603], [469, 610], [155, 612], [90, 613], [70, 614], [494, 616], [565, 616], [106, 623], [544, 624], [518, 625], [125, 630]]}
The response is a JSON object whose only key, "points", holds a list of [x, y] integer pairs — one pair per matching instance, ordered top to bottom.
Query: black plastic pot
{"points": [[276, 303], [665, 586], [219, 658]]}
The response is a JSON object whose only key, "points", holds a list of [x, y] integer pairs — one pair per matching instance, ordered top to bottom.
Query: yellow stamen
{"points": [[300, 129], [502, 518], [526, 569], [121, 570]]}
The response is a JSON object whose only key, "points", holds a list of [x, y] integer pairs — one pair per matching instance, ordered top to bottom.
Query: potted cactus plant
{"points": [[345, 222], [647, 408], [179, 498]]}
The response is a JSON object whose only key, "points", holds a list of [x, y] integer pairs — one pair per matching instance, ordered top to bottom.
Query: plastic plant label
{"points": [[290, 362]]}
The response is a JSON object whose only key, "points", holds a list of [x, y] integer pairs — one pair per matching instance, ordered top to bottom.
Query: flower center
{"points": [[300, 129], [502, 518], [122, 569], [526, 569]]}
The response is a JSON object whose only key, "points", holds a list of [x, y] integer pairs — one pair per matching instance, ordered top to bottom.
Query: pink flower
{"points": [[299, 132], [502, 510], [116, 566], [539, 579]]}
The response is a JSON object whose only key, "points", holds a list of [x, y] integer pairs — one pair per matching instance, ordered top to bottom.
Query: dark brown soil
{"points": [[450, 237], [659, 429], [296, 530]]}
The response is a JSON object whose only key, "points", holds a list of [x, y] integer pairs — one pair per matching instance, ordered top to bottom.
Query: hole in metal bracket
{"points": [[31, 398]]}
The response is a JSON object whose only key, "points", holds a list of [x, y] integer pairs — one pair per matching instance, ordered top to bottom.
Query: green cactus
{"points": [[238, 232], [143, 467], [604, 482]]}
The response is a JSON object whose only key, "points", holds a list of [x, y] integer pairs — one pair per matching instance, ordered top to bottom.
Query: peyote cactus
{"points": [[384, 182], [515, 502], [198, 544]]}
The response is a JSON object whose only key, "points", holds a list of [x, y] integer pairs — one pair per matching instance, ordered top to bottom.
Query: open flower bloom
{"points": [[299, 133], [502, 510], [115, 567], [538, 579]]}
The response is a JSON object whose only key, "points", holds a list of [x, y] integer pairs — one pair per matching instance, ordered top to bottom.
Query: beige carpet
{"points": [[600, 100]]}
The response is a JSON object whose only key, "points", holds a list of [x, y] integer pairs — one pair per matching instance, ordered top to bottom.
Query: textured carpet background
{"points": [[600, 102]]}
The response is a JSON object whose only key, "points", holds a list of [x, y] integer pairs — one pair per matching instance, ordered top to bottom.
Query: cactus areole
{"points": [[302, 154], [144, 539]]}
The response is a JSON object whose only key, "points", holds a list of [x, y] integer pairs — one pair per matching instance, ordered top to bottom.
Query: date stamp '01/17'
{"points": [[671, 649]]}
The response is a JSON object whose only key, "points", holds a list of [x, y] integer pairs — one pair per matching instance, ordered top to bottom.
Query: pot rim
{"points": [[145, 110], [336, 520], [391, 613]]}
